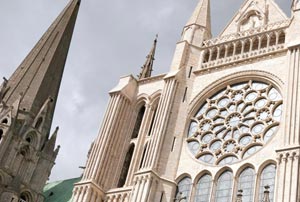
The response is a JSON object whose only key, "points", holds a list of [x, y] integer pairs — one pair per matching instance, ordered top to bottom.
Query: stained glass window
{"points": [[235, 122], [267, 178], [246, 183], [224, 187], [184, 189], [203, 189]]}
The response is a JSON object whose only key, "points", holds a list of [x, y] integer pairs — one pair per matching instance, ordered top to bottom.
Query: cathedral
{"points": [[27, 103], [221, 126]]}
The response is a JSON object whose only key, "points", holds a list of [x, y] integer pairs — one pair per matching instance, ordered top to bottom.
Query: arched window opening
{"points": [[281, 38], [273, 40], [264, 42], [255, 44], [247, 46], [238, 49], [230, 50], [222, 52], [214, 54], [206, 57], [4, 121], [138, 122], [152, 122], [38, 123], [1, 133], [28, 139], [24, 151], [143, 157], [126, 166], [267, 178], [246, 184], [224, 187], [203, 189], [183, 190], [25, 197]]}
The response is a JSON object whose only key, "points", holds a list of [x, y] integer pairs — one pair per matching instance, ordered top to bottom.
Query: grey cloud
{"points": [[111, 39]]}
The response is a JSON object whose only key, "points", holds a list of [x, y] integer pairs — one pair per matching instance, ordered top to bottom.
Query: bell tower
{"points": [[27, 103]]}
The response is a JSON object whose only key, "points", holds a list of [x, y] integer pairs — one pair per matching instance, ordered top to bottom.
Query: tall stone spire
{"points": [[198, 27], [147, 68], [39, 75]]}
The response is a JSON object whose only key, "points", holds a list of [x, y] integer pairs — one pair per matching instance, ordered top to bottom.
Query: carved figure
{"points": [[3, 88]]}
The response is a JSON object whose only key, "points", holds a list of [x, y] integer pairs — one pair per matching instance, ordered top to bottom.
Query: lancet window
{"points": [[267, 180], [246, 184], [183, 189], [203, 189]]}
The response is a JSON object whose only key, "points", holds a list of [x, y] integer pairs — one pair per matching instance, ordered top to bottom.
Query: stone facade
{"points": [[27, 103], [244, 144]]}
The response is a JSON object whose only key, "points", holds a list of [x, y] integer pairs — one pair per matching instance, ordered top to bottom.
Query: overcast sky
{"points": [[111, 39]]}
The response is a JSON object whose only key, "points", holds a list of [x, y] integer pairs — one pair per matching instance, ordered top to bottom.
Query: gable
{"points": [[253, 14]]}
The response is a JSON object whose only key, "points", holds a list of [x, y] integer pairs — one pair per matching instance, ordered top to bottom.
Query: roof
{"points": [[60, 191]]}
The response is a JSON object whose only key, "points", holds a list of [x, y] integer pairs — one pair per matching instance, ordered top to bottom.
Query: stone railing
{"points": [[243, 34], [244, 48]]}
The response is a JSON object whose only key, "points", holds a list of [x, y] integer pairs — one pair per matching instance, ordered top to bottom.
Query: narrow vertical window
{"points": [[190, 72], [184, 95], [138, 122], [152, 122], [1, 133], [173, 144], [143, 157], [126, 166], [267, 178], [246, 184], [224, 187], [183, 189], [203, 189]]}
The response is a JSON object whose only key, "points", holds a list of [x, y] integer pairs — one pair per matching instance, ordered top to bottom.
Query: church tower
{"points": [[27, 103], [221, 126]]}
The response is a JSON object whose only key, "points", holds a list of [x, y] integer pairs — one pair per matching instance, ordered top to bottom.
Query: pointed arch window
{"points": [[138, 122], [152, 122], [38, 123], [1, 133], [144, 154], [126, 166], [267, 178], [246, 183], [224, 187], [203, 189], [183, 190]]}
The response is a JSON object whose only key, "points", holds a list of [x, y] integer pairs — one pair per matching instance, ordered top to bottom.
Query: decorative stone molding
{"points": [[247, 33]]}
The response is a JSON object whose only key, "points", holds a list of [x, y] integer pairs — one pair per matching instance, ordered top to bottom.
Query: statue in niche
{"points": [[252, 19], [3, 89]]}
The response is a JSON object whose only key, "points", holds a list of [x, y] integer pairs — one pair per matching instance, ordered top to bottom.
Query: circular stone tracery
{"points": [[235, 123]]}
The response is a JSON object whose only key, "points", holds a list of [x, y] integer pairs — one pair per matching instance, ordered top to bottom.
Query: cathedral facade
{"points": [[27, 103], [222, 125]]}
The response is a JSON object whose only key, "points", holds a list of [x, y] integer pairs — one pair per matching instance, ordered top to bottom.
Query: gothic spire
{"points": [[201, 15], [198, 27], [147, 68], [39, 75]]}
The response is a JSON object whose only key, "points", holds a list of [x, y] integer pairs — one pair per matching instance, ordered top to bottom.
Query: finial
{"points": [[147, 68], [239, 196]]}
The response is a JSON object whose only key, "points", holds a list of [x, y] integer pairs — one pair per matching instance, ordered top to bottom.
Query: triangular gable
{"points": [[254, 13]]}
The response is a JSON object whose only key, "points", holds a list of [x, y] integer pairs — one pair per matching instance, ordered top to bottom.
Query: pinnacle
{"points": [[201, 15]]}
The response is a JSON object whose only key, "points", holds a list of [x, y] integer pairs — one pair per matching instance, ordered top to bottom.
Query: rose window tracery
{"points": [[235, 123]]}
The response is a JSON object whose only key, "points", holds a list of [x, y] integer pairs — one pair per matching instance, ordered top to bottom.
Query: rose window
{"points": [[235, 123]]}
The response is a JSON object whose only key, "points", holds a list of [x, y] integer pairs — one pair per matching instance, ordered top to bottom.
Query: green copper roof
{"points": [[60, 191]]}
